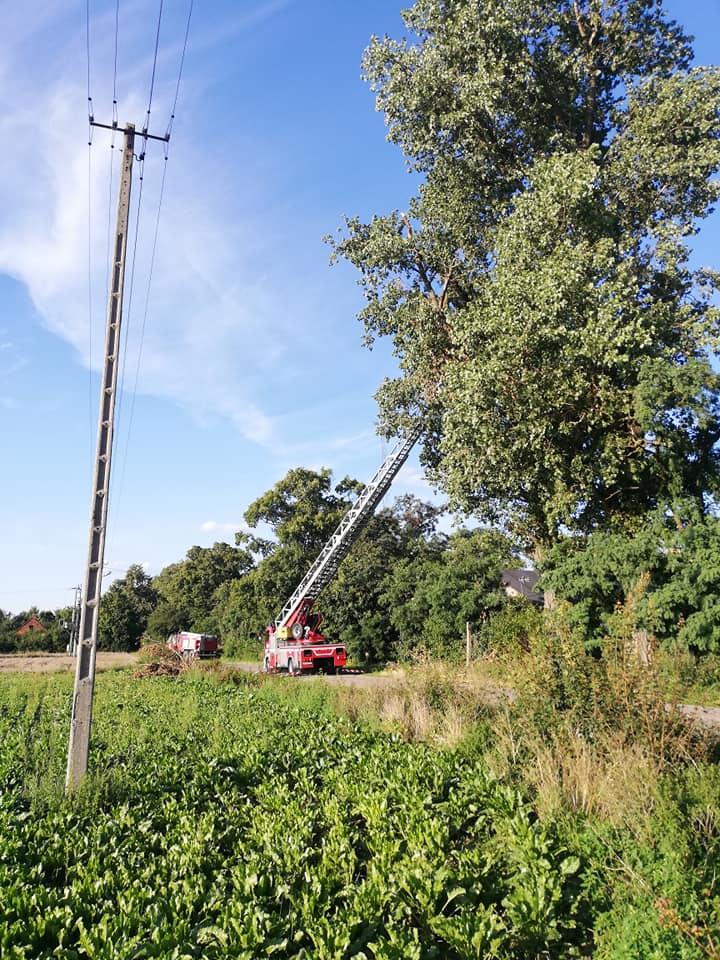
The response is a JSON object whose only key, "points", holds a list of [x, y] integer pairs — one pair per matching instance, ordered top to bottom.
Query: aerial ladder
{"points": [[294, 641]]}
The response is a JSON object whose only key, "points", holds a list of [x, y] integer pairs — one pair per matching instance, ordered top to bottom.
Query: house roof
{"points": [[523, 583], [32, 624]]}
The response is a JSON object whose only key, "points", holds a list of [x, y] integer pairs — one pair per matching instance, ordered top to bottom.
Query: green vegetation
{"points": [[555, 343], [555, 347], [556, 350], [53, 639], [243, 816]]}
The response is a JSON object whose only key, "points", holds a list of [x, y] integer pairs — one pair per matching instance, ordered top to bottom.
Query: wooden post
{"points": [[468, 643]]}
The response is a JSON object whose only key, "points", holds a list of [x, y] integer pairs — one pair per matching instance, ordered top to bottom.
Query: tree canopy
{"points": [[554, 341], [289, 524], [186, 589], [124, 610]]}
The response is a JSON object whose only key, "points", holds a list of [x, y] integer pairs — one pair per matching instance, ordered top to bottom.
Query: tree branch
{"points": [[421, 268]]}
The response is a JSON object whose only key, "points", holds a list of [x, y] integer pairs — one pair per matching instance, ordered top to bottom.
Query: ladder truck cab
{"points": [[294, 642], [299, 646]]}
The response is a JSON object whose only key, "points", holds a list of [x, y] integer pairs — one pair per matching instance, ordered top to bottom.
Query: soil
{"points": [[61, 662]]}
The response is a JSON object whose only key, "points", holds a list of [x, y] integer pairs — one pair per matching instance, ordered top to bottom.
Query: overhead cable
{"points": [[115, 63], [180, 71], [152, 76], [133, 394]]}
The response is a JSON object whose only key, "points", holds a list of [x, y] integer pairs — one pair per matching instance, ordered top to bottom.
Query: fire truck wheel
{"points": [[297, 631], [266, 665], [291, 666]]}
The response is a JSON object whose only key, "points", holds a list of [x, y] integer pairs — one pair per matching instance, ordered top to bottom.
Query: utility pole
{"points": [[75, 622], [79, 743]]}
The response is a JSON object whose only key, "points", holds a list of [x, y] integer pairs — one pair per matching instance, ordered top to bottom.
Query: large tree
{"points": [[552, 337], [663, 578], [433, 595], [356, 607]]}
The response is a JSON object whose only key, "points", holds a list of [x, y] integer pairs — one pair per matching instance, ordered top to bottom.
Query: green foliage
{"points": [[553, 340], [300, 512], [678, 551], [186, 589], [432, 595], [357, 605], [124, 611], [165, 619], [513, 629], [53, 639], [247, 820], [220, 821], [667, 903]]}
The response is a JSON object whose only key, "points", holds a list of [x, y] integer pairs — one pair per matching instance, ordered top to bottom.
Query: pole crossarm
{"points": [[143, 133]]}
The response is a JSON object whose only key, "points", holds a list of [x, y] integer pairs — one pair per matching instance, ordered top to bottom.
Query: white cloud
{"points": [[214, 326], [412, 478]]}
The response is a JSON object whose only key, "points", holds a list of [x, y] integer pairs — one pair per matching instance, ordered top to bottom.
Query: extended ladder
{"points": [[349, 529]]}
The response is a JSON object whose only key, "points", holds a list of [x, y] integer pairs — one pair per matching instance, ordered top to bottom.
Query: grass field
{"points": [[249, 818]]}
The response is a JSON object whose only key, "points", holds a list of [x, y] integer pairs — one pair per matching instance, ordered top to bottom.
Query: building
{"points": [[522, 583], [32, 624]]}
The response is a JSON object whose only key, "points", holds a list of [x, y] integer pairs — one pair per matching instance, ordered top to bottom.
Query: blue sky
{"points": [[251, 359]]}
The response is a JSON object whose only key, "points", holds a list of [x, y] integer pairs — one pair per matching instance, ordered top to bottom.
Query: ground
{"points": [[60, 662]]}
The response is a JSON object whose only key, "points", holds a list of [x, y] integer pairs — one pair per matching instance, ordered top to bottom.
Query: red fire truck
{"points": [[294, 642], [192, 645], [299, 646]]}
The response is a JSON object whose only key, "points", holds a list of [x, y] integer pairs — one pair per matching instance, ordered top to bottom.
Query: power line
{"points": [[87, 52], [115, 63], [180, 72], [152, 76], [141, 159], [109, 213], [131, 288], [90, 291], [90, 300], [142, 334], [81, 717]]}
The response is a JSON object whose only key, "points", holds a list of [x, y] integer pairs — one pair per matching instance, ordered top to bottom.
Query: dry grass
{"points": [[157, 653], [161, 661], [432, 703], [615, 780]]}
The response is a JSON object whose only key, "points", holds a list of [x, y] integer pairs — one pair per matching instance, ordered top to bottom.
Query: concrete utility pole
{"points": [[75, 622], [81, 719]]}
